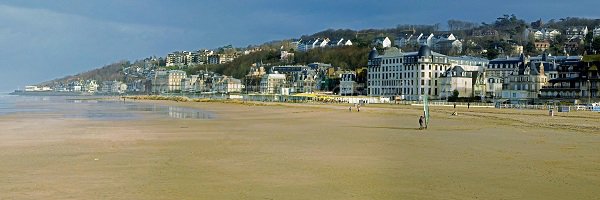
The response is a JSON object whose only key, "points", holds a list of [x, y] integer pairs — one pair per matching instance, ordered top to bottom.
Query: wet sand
{"points": [[304, 151]]}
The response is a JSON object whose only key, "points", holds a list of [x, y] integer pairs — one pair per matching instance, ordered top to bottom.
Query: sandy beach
{"points": [[304, 151]]}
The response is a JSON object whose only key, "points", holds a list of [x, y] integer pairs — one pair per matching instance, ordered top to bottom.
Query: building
{"points": [[596, 31], [576, 32], [485, 33], [543, 34], [444, 37], [405, 40], [425, 40], [339, 42], [383, 42], [542, 45], [304, 46], [448, 47], [517, 49], [286, 56], [182, 58], [214, 59], [468, 67], [497, 70], [384, 73], [409, 75], [174, 78], [253, 78], [459, 79], [158, 80], [576, 80], [167, 81], [304, 81], [272, 83], [188, 84], [348, 84], [226, 85], [523, 85], [74, 86], [90, 86], [113, 87], [34, 88]]}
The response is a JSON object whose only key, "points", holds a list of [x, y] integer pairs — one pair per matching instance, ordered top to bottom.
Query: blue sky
{"points": [[42, 40]]}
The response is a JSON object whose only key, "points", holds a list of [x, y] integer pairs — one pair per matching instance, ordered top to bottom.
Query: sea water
{"points": [[5, 104], [94, 108]]}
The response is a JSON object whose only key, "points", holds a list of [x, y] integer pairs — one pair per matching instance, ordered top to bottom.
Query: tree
{"points": [[596, 45], [530, 49], [491, 54], [454, 96]]}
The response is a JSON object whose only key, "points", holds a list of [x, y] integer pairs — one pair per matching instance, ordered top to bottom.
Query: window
{"points": [[422, 67], [422, 74]]}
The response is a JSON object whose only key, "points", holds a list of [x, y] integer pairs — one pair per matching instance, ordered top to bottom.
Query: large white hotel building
{"points": [[410, 75]]}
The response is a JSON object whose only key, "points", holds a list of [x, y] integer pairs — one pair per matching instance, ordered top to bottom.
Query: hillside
{"points": [[509, 29], [348, 57], [106, 73]]}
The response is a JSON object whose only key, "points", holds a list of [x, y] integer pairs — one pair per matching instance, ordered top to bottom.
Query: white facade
{"points": [[576, 32], [597, 32], [544, 34], [426, 40], [402, 41], [384, 42], [383, 73], [408, 75], [174, 79], [168, 81], [272, 83], [461, 84], [227, 85], [348, 85], [114, 87], [33, 88]]}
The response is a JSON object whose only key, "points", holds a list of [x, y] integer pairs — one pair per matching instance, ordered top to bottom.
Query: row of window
{"points": [[503, 66], [405, 68], [405, 75], [405, 82], [397, 91]]}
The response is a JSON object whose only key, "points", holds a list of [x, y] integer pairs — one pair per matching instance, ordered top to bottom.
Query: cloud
{"points": [[45, 44]]}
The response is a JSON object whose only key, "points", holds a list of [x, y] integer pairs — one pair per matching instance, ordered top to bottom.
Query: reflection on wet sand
{"points": [[96, 108], [171, 111]]}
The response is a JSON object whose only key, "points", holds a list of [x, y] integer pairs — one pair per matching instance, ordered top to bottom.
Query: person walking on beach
{"points": [[454, 105], [469, 105], [350, 108], [421, 122]]}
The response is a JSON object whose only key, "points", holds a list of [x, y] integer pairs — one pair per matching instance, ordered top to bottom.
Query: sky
{"points": [[42, 40]]}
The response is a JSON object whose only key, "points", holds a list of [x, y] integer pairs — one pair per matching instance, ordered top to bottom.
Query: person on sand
{"points": [[455, 105], [469, 105], [350, 108], [421, 122]]}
